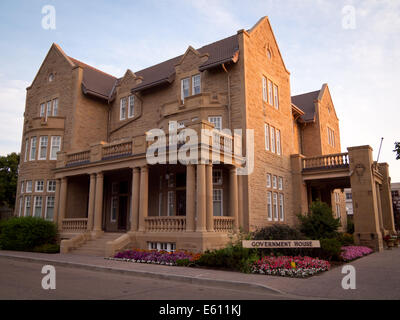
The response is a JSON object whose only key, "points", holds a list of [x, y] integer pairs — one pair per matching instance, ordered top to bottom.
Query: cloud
{"points": [[12, 106]]}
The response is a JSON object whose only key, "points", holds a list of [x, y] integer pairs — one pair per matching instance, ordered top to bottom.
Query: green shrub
{"points": [[319, 223], [280, 232], [26, 233], [345, 239], [47, 248], [330, 249], [232, 257]]}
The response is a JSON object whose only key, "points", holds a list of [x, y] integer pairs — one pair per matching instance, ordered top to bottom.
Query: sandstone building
{"points": [[85, 139]]}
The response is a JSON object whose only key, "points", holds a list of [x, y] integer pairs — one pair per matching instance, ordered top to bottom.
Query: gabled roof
{"points": [[219, 52], [95, 81], [305, 102]]}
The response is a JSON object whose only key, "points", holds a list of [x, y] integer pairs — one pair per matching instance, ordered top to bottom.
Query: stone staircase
{"points": [[96, 247]]}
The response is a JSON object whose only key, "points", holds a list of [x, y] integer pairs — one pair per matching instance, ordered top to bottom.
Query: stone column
{"points": [[92, 196], [144, 197], [190, 197], [233, 197], [201, 198], [209, 198], [386, 198], [135, 199], [56, 201], [63, 201], [240, 201], [98, 206], [365, 207]]}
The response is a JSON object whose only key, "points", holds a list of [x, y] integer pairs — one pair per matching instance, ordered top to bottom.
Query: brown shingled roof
{"points": [[218, 52], [95, 81], [305, 102]]}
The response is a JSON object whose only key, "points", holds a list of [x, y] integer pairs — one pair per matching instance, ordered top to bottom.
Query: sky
{"points": [[354, 46]]}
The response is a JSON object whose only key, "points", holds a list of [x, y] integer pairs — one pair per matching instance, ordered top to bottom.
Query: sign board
{"points": [[280, 244]]}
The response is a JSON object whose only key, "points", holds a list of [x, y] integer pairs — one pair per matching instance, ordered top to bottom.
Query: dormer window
{"points": [[51, 77], [196, 84], [185, 88], [122, 110]]}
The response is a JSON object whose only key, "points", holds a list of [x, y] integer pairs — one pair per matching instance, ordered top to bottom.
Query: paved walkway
{"points": [[377, 275]]}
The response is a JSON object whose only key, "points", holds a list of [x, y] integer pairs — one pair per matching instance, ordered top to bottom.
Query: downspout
{"points": [[229, 96]]}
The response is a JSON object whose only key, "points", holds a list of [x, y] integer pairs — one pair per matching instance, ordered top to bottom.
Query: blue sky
{"points": [[360, 65]]}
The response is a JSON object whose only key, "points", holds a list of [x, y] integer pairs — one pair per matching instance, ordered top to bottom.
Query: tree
{"points": [[397, 150], [8, 179], [320, 223]]}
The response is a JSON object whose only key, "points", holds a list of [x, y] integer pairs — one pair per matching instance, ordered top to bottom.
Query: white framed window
{"points": [[51, 77], [185, 83], [196, 84], [264, 89], [270, 94], [276, 97], [42, 107], [55, 107], [131, 107], [122, 109], [48, 113], [216, 121], [172, 126], [331, 137], [273, 139], [267, 141], [278, 142], [43, 147], [55, 147], [26, 150], [32, 156], [217, 176], [268, 180], [274, 182], [280, 183], [29, 186], [39, 186], [51, 186], [22, 187], [21, 203], [171, 203], [217, 203], [269, 205], [275, 205], [38, 206], [114, 206], [281, 207], [50, 208], [27, 211]]}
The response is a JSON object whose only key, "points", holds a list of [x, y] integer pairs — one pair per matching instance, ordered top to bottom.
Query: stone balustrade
{"points": [[117, 150], [77, 157], [326, 161], [74, 224], [165, 224], [223, 224]]}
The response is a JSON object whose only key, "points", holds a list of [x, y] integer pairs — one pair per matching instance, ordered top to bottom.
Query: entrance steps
{"points": [[96, 247]]}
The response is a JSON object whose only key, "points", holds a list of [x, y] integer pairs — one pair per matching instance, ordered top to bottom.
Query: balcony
{"points": [[329, 161]]}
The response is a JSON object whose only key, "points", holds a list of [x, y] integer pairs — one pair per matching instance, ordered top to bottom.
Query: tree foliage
{"points": [[397, 150], [8, 179], [320, 223]]}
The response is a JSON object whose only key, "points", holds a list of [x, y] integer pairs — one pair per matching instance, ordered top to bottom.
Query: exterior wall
{"points": [[257, 65]]}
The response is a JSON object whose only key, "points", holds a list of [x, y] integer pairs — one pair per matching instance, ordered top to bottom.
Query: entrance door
{"points": [[181, 202], [117, 206], [122, 212]]}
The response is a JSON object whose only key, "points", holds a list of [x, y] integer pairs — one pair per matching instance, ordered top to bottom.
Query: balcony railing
{"points": [[117, 150], [78, 157], [328, 161], [74, 224], [165, 224], [223, 224]]}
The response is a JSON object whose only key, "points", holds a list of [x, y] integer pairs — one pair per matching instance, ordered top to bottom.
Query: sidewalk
{"points": [[377, 275]]}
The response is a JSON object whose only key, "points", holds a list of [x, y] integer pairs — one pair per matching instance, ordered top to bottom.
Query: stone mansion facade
{"points": [[86, 135]]}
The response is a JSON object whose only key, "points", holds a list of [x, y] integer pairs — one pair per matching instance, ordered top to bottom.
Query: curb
{"points": [[147, 274]]}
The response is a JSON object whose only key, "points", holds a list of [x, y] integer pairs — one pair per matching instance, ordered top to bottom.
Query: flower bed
{"points": [[353, 252], [154, 256], [299, 267]]}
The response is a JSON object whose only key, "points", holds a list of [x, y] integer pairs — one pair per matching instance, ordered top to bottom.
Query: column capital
{"points": [[144, 168], [136, 169], [100, 174]]}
